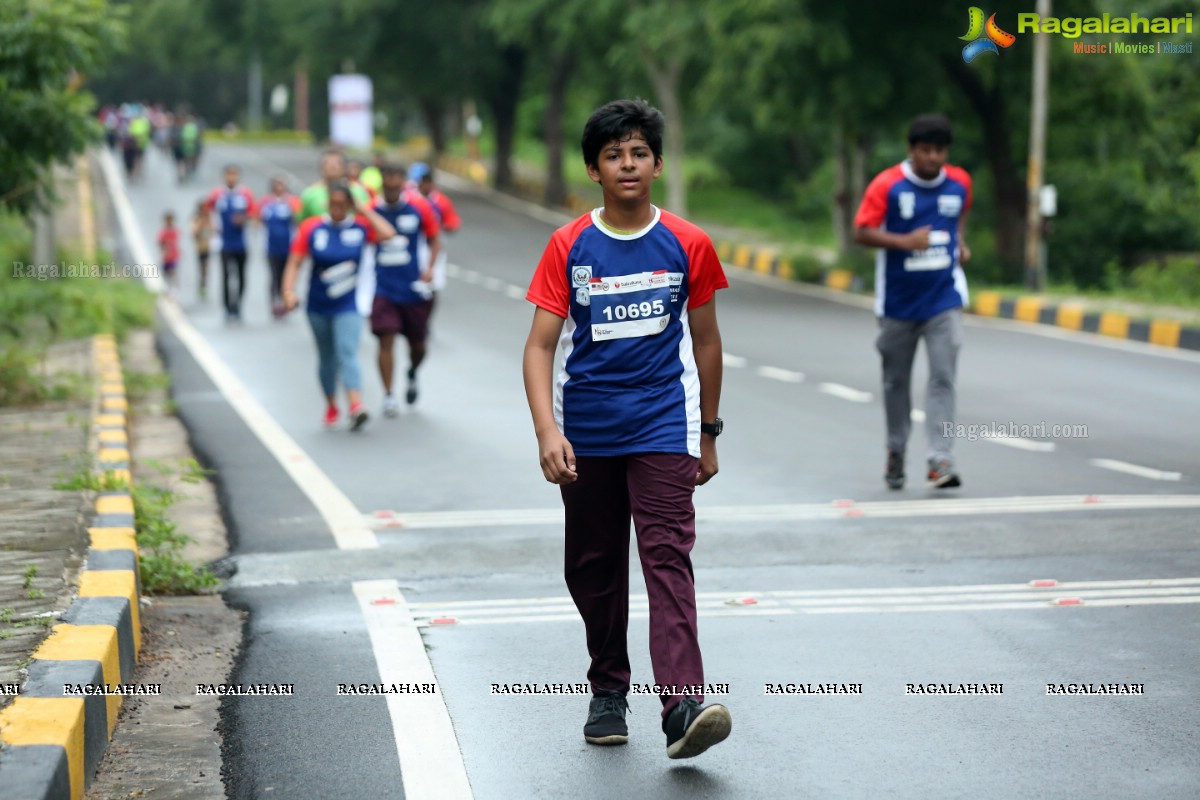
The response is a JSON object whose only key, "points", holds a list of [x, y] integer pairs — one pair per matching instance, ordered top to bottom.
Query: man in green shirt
{"points": [[314, 200]]}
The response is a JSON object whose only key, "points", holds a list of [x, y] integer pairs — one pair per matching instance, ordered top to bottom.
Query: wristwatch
{"points": [[713, 428]]}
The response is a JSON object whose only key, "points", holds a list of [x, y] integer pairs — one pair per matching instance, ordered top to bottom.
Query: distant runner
{"points": [[234, 206], [278, 212]]}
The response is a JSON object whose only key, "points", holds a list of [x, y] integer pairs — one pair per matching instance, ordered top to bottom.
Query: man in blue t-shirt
{"points": [[234, 205], [278, 212], [915, 213], [403, 281]]}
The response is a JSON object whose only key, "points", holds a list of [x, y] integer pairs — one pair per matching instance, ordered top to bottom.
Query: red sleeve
{"points": [[962, 176], [211, 202], [294, 203], [251, 204], [258, 209], [873, 209], [450, 218], [429, 221], [372, 234], [300, 242], [705, 273], [548, 289]]}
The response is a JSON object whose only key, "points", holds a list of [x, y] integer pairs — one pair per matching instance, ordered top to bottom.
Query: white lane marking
{"points": [[128, 222], [453, 270], [470, 276], [494, 284], [514, 291], [730, 360], [777, 374], [845, 392], [917, 415], [1032, 445], [1134, 469], [795, 512], [840, 601], [429, 754], [431, 764]]}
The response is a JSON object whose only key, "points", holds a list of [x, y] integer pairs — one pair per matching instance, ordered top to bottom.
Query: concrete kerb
{"points": [[57, 730]]}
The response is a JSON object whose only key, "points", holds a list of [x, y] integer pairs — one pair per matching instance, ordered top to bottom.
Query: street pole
{"points": [[254, 93], [1035, 275]]}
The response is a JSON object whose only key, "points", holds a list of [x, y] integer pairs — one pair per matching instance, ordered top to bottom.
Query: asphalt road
{"points": [[809, 570]]}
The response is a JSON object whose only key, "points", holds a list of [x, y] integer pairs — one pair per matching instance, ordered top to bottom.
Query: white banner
{"points": [[350, 113]]}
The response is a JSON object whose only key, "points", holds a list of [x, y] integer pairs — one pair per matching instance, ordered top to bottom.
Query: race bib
{"points": [[394, 252], [339, 279], [629, 306]]}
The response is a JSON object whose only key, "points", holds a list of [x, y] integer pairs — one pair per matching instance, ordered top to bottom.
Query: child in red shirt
{"points": [[168, 242]]}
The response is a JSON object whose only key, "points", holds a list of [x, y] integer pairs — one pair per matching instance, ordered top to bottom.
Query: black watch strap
{"points": [[713, 428]]}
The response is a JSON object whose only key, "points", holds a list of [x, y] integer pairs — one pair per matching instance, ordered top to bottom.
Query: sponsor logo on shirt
{"points": [[908, 204], [949, 205], [581, 275], [582, 296]]}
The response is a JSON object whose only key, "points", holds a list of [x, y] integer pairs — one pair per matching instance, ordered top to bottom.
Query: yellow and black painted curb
{"points": [[1071, 316], [57, 730]]}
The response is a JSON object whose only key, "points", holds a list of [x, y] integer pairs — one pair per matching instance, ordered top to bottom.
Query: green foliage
{"points": [[43, 47], [37, 313], [139, 385], [163, 568]]}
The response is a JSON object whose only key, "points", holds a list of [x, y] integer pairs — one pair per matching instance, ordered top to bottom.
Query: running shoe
{"points": [[410, 396], [391, 408], [331, 416], [358, 416], [894, 472], [942, 475], [606, 720], [692, 728]]}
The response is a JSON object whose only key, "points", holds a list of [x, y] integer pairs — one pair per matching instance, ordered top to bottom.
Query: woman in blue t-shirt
{"points": [[335, 242]]}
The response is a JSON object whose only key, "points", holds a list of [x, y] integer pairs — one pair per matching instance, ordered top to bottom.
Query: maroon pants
{"points": [[656, 490]]}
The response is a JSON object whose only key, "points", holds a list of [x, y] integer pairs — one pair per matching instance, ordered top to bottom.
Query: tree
{"points": [[45, 48]]}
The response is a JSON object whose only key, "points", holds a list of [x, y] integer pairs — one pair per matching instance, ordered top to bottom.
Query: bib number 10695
{"points": [[646, 308]]}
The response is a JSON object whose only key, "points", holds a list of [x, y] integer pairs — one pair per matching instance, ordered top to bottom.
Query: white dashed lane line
{"points": [[515, 292], [730, 360], [777, 374], [845, 392], [1031, 445], [1134, 469]]}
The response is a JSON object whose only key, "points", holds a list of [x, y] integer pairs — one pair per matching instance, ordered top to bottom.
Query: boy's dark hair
{"points": [[617, 121], [931, 128], [392, 169], [343, 187]]}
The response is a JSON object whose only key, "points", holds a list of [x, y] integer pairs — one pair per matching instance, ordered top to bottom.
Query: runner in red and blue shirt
{"points": [[234, 206], [278, 212], [915, 213], [447, 216], [335, 243], [403, 281], [627, 427]]}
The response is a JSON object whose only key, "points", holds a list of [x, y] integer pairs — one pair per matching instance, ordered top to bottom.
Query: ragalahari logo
{"points": [[983, 38]]}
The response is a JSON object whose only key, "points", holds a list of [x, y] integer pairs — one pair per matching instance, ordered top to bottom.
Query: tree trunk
{"points": [[665, 78], [556, 101], [503, 103], [433, 112], [1008, 188], [841, 191]]}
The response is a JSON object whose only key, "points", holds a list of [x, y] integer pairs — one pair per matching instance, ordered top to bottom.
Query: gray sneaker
{"points": [[692, 728]]}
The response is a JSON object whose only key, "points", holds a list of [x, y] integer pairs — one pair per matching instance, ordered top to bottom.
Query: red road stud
{"points": [[1091, 498], [843, 503], [853, 512], [385, 514], [394, 523], [1044, 583], [384, 601], [742, 601], [1068, 601], [443, 621]]}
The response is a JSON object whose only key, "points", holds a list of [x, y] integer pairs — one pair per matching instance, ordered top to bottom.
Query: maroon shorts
{"points": [[410, 320]]}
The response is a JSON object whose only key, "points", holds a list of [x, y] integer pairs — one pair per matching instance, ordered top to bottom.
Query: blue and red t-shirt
{"points": [[229, 203], [279, 214], [336, 250], [397, 261], [917, 285], [628, 382]]}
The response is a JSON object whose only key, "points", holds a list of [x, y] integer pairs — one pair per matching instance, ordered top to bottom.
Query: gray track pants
{"points": [[897, 344]]}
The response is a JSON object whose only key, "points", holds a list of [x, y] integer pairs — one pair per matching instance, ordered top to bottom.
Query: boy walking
{"points": [[916, 213], [628, 426]]}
